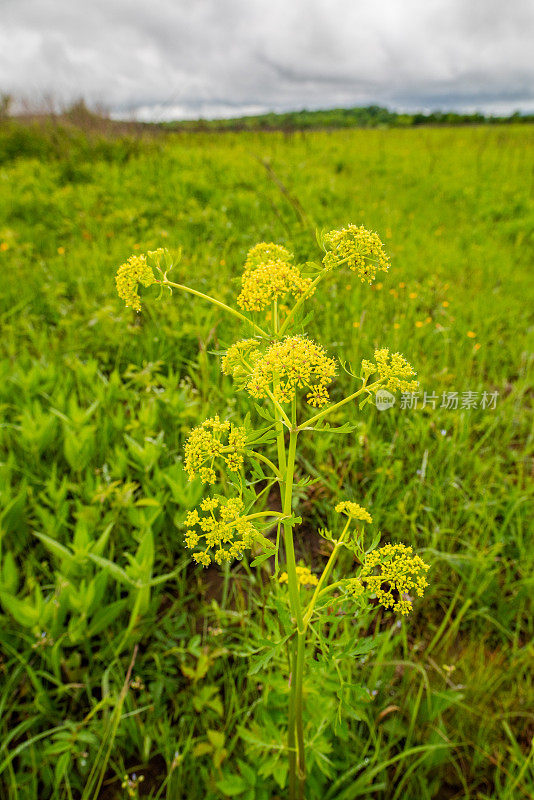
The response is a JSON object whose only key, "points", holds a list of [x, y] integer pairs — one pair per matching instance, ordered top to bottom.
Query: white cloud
{"points": [[226, 56]]}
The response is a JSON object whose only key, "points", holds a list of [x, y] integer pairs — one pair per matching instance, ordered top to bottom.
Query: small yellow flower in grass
{"points": [[4, 246], [357, 247], [61, 251], [129, 276], [402, 285], [379, 286], [412, 295], [445, 304], [428, 319], [355, 324], [418, 324], [396, 326], [471, 334], [477, 346], [290, 364], [393, 371], [210, 440], [353, 510], [223, 533], [391, 573], [304, 575], [131, 783]]}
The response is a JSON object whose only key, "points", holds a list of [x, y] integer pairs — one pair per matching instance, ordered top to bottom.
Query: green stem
{"points": [[305, 295], [215, 302], [299, 302], [328, 410], [280, 411], [269, 463], [258, 514], [288, 533], [322, 580], [291, 730], [301, 753], [297, 763]]}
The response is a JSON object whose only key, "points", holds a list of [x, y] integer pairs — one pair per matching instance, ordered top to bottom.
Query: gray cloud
{"points": [[171, 58]]}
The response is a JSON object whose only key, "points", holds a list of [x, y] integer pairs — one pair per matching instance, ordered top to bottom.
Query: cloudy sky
{"points": [[165, 59]]}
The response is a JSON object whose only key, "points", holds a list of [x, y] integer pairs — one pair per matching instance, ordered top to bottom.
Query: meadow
{"points": [[118, 655]]}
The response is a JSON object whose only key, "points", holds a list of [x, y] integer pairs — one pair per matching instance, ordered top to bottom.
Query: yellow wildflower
{"points": [[361, 249], [265, 252], [269, 275], [129, 276], [270, 281], [240, 358], [290, 364], [393, 370], [210, 440], [353, 510], [224, 532], [399, 573], [304, 575]]}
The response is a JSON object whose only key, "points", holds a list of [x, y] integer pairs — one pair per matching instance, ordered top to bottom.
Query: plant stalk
{"points": [[166, 282]]}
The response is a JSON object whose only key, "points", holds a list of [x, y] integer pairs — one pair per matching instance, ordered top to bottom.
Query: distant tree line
{"points": [[359, 117]]}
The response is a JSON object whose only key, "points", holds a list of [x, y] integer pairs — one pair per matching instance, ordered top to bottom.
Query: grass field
{"points": [[99, 677]]}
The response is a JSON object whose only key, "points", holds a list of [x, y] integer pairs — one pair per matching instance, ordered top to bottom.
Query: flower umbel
{"points": [[361, 249], [264, 252], [129, 276], [270, 281], [240, 358], [290, 364], [393, 371], [210, 440], [353, 510], [223, 530], [399, 572]]}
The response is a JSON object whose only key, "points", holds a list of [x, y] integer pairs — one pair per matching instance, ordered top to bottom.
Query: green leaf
{"points": [[263, 413], [56, 548], [264, 556], [118, 573], [23, 612], [105, 616], [217, 739], [232, 785]]}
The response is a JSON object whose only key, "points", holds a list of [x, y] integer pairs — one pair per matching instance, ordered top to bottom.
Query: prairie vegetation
{"points": [[121, 657]]}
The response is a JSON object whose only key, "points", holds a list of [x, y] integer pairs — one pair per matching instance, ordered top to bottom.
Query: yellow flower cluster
{"points": [[361, 249], [264, 252], [129, 276], [270, 281], [240, 358], [290, 364], [393, 370], [210, 440], [353, 510], [228, 533], [400, 572], [304, 575]]}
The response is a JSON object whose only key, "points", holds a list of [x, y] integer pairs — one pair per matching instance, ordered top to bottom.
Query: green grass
{"points": [[96, 404]]}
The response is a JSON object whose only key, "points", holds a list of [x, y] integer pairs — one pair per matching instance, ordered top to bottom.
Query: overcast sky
{"points": [[164, 59]]}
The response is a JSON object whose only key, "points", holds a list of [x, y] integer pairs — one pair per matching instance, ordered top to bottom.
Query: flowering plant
{"points": [[281, 368]]}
